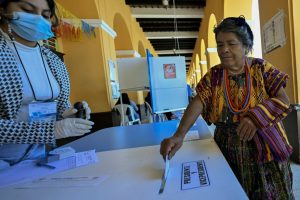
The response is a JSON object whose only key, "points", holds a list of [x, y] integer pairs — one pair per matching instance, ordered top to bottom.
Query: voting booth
{"points": [[133, 74], [164, 77]]}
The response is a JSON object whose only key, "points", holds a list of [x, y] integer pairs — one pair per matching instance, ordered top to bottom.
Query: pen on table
{"points": [[40, 164]]}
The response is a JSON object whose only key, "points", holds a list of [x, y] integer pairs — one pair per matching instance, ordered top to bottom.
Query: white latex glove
{"points": [[87, 109], [70, 112], [72, 127]]}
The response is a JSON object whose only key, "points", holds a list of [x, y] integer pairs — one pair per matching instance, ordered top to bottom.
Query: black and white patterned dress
{"points": [[11, 90]]}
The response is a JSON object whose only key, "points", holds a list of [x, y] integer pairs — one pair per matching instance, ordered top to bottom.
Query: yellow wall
{"points": [[235, 8], [108, 9], [295, 18], [211, 51], [282, 56], [87, 59], [83, 60]]}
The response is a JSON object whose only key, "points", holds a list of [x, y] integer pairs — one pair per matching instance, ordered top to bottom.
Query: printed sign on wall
{"points": [[273, 35], [113, 80]]}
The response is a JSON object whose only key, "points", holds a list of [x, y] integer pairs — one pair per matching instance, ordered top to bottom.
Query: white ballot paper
{"points": [[167, 167], [28, 170], [194, 175], [164, 176]]}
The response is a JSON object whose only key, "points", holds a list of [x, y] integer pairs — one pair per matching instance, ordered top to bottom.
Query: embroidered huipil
{"points": [[265, 111]]}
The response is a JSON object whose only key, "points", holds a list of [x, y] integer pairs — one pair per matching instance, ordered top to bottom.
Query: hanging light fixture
{"points": [[165, 3], [176, 40]]}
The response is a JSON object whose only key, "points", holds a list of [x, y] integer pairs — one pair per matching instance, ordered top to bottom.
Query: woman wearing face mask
{"points": [[34, 84]]}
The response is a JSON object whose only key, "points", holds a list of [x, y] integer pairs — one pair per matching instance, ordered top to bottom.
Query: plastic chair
{"points": [[148, 114], [153, 116], [126, 117]]}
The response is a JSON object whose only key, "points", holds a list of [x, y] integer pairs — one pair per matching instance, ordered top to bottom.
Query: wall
{"points": [[235, 8], [295, 30], [282, 57], [87, 59], [82, 60]]}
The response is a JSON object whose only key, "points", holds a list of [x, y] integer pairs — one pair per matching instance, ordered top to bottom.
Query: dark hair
{"points": [[51, 4], [240, 27], [148, 98], [125, 99]]}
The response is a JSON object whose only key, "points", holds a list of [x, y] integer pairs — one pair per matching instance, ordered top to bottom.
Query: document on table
{"points": [[85, 158], [27, 170], [194, 175], [64, 182]]}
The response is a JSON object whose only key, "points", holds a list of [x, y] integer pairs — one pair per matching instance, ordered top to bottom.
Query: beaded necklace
{"points": [[236, 109]]}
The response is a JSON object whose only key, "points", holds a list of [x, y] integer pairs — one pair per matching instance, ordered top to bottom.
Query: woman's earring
{"points": [[9, 28], [10, 31]]}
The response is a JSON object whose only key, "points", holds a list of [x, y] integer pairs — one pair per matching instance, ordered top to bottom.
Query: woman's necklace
{"points": [[236, 109]]}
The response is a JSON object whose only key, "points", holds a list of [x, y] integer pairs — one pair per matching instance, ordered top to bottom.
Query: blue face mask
{"points": [[31, 27]]}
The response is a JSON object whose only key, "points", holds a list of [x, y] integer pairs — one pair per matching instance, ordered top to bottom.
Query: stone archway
{"points": [[123, 40], [141, 49], [211, 50], [203, 60], [198, 69]]}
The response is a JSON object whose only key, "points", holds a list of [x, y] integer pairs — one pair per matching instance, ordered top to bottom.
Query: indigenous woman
{"points": [[245, 98]]}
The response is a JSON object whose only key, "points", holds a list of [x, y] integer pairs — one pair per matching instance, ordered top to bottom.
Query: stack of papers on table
{"points": [[27, 170]]}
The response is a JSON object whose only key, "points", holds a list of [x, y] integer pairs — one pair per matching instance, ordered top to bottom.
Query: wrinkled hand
{"points": [[70, 112], [72, 127], [246, 129], [170, 146]]}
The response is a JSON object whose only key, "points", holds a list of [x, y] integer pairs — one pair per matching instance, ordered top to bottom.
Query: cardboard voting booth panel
{"points": [[133, 73], [168, 84]]}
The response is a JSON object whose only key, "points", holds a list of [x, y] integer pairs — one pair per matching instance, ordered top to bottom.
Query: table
{"points": [[122, 137], [130, 163]]}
